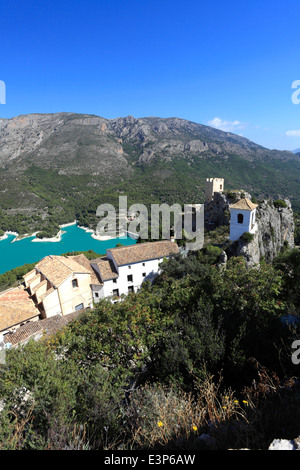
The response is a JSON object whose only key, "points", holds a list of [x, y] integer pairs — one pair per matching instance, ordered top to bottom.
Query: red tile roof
{"points": [[244, 204], [143, 252], [58, 268], [16, 307]]}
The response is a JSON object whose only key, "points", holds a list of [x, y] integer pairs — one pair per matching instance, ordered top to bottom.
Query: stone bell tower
{"points": [[242, 218]]}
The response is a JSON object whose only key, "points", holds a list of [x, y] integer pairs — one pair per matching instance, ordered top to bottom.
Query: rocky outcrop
{"points": [[217, 212], [275, 228], [250, 251], [285, 444]]}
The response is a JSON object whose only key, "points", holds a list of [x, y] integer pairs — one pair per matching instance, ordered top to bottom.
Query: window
{"points": [[220, 186], [240, 218], [144, 264], [129, 267], [144, 274], [129, 278], [115, 281], [74, 283], [130, 289], [116, 292], [96, 294], [78, 307]]}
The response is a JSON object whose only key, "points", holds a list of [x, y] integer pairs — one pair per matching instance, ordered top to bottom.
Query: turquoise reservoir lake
{"points": [[16, 253]]}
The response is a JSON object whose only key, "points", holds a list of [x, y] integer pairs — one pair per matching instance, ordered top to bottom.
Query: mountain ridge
{"points": [[57, 166]]}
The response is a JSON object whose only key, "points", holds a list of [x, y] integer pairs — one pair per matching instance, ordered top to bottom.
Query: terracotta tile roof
{"points": [[244, 204], [143, 252], [83, 261], [72, 264], [58, 268], [106, 268], [15, 307], [47, 327], [23, 332]]}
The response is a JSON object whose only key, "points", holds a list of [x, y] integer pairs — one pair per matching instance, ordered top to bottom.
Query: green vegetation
{"points": [[42, 199], [279, 203], [218, 236], [247, 237], [14, 276], [165, 365]]}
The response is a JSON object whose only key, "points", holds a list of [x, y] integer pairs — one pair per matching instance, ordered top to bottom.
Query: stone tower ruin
{"points": [[213, 185]]}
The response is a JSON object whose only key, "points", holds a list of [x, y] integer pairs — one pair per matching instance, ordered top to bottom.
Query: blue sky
{"points": [[230, 64]]}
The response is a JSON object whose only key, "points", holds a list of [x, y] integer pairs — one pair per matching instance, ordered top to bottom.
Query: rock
{"points": [[217, 212], [275, 228], [223, 258], [282, 444]]}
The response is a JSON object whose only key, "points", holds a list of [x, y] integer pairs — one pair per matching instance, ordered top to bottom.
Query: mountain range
{"points": [[61, 166]]}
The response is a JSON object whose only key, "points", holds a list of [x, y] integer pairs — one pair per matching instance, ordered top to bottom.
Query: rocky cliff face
{"points": [[56, 140], [217, 212], [275, 228]]}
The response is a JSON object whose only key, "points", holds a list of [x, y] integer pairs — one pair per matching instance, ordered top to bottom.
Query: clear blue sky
{"points": [[227, 63]]}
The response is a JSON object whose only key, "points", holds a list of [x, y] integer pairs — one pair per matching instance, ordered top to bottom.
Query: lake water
{"points": [[14, 254]]}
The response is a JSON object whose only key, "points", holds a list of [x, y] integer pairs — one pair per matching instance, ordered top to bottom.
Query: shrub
{"points": [[231, 195], [279, 203], [247, 237], [210, 254], [169, 417]]}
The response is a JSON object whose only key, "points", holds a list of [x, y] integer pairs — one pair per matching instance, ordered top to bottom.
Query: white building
{"points": [[242, 218], [125, 268], [59, 285]]}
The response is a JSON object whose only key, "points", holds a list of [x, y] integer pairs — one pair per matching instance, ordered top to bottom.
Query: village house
{"points": [[125, 268], [59, 286]]}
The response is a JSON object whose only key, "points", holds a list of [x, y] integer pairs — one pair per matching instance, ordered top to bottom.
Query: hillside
{"points": [[58, 167]]}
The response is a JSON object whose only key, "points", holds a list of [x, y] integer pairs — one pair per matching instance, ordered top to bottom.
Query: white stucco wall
{"points": [[248, 225], [136, 270], [97, 292], [71, 297], [66, 298], [51, 304]]}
